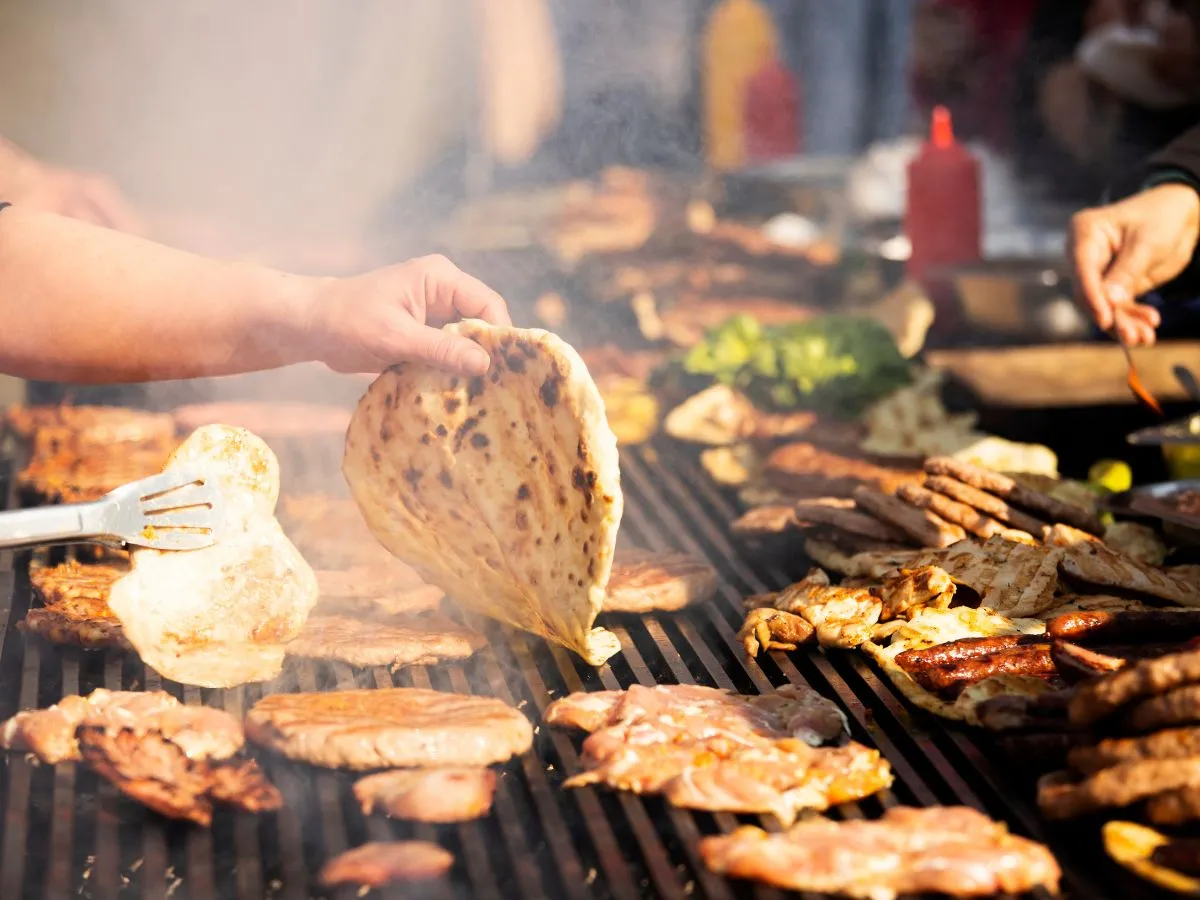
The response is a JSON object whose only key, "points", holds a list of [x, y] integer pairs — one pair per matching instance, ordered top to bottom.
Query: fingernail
{"points": [[477, 361]]}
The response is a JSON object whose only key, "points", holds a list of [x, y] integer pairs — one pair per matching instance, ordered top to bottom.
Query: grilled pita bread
{"points": [[503, 490], [220, 616]]}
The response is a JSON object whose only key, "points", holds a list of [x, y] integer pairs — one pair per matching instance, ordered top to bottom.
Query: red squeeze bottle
{"points": [[771, 114], [942, 213]]}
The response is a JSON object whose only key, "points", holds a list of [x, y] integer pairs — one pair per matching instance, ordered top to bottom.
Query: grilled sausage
{"points": [[1125, 626], [964, 649], [950, 680]]}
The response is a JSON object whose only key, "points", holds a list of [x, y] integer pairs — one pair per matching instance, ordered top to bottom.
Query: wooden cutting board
{"points": [[1065, 375]]}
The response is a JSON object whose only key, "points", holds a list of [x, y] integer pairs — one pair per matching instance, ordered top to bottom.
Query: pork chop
{"points": [[643, 581], [75, 608], [410, 641], [389, 728], [49, 733], [705, 748], [176, 761], [428, 795], [944, 850], [380, 863]]}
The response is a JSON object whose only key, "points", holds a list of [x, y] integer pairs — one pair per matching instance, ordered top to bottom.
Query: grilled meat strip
{"points": [[803, 470], [1007, 489], [986, 503], [960, 514], [848, 519], [765, 521], [926, 528], [1090, 560], [872, 564], [642, 581], [1075, 663], [1101, 698], [1180, 706], [1021, 712], [388, 728], [1174, 743], [705, 748], [428, 795], [1061, 796], [1174, 807], [946, 850], [380, 863]]}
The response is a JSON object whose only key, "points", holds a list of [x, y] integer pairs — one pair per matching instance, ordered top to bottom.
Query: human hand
{"points": [[38, 187], [1127, 249], [368, 322]]}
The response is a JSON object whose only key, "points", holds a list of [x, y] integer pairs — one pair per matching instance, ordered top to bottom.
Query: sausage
{"points": [[985, 503], [1125, 626], [957, 651], [1075, 663], [951, 679]]}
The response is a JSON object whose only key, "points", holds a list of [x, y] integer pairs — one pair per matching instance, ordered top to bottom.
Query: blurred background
{"points": [[602, 161]]}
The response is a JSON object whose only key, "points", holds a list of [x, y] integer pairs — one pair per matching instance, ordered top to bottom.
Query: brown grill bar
{"points": [[64, 832]]}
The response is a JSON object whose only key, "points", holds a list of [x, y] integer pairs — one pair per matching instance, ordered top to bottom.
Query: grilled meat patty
{"points": [[804, 470], [643, 581], [75, 608], [409, 641], [1101, 698], [389, 728], [1173, 743], [454, 794], [1061, 796], [946, 850], [382, 862]]}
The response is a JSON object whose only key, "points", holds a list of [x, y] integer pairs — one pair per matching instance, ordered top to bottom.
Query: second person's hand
{"points": [[1127, 249], [366, 323]]}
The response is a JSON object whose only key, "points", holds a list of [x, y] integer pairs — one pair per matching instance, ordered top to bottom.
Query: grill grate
{"points": [[65, 832]]}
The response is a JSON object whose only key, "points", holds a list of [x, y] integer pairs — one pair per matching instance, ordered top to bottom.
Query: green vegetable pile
{"points": [[837, 364]]}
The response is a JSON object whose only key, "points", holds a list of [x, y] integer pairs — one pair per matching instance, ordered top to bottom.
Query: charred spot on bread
{"points": [[479, 441]]}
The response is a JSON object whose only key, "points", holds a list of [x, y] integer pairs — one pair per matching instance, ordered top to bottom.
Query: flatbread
{"points": [[503, 490], [220, 616]]}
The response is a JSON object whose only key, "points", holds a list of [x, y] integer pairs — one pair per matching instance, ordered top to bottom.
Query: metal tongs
{"points": [[1134, 380], [1183, 431], [176, 510]]}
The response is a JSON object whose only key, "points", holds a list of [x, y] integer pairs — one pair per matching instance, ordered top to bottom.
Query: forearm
{"points": [[85, 304]]}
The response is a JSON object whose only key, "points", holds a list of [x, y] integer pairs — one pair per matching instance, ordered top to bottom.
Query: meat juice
{"points": [[771, 114], [942, 216]]}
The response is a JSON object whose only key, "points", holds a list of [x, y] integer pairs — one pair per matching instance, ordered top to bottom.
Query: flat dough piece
{"points": [[503, 490], [220, 616]]}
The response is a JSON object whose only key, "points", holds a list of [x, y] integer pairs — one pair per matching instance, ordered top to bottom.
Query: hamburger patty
{"points": [[642, 581], [75, 608], [410, 641], [389, 728]]}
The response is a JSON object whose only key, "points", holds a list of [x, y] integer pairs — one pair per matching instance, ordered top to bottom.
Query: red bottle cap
{"points": [[941, 133]]}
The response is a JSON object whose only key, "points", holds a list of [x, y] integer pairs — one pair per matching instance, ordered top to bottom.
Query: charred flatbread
{"points": [[503, 490]]}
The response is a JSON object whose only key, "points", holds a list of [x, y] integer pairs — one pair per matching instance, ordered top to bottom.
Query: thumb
{"points": [[1129, 274], [443, 349]]}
